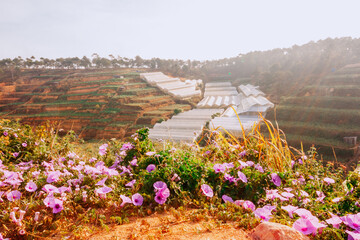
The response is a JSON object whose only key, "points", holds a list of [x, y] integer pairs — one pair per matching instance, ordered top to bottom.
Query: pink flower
{"points": [[24, 144], [126, 146], [102, 149], [150, 153], [15, 154], [133, 162], [242, 164], [150, 168], [219, 168], [259, 168], [53, 176], [242, 177], [175, 178], [229, 178], [276, 179], [329, 180], [101, 182], [131, 183], [159, 185], [31, 186], [48, 188], [103, 191], [207, 191], [303, 193], [13, 195], [162, 195], [287, 195], [321, 196], [125, 199], [137, 199], [227, 199], [336, 200], [56, 205], [248, 205], [290, 209], [263, 213], [36, 216], [334, 220], [352, 220], [304, 226], [353, 235]]}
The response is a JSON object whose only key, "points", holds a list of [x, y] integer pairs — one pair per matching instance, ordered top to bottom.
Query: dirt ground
{"points": [[169, 227]]}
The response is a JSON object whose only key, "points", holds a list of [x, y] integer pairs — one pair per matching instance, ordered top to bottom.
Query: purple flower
{"points": [[5, 133], [24, 144], [126, 146], [102, 149], [150, 153], [15, 154], [242, 154], [133, 162], [250, 163], [242, 164], [150, 167], [219, 168], [259, 168], [53, 176], [242, 177], [175, 178], [229, 178], [276, 179], [329, 180], [101, 182], [131, 183], [159, 185], [31, 186], [48, 188], [103, 191], [207, 191], [303, 193], [13, 195], [162, 195], [287, 195], [321, 196], [227, 198], [125, 199], [137, 199], [336, 200], [56, 205], [248, 205], [290, 209], [263, 213], [304, 213], [352, 220], [304, 226], [353, 235]]}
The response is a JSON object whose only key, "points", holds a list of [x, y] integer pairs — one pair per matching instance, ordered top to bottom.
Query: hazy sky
{"points": [[179, 29]]}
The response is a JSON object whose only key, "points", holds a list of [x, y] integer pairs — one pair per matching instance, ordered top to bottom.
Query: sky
{"points": [[170, 29]]}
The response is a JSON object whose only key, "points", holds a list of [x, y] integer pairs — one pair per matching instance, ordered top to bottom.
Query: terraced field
{"points": [[97, 104], [324, 113]]}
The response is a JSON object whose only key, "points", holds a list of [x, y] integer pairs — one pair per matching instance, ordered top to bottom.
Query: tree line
{"points": [[270, 68]]}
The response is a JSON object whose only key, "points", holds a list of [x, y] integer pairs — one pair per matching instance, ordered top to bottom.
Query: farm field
{"points": [[95, 104], [324, 113]]}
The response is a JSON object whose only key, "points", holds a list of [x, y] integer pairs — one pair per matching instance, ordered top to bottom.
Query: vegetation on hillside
{"points": [[56, 186]]}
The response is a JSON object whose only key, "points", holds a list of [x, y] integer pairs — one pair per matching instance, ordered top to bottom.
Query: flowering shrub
{"points": [[55, 184]]}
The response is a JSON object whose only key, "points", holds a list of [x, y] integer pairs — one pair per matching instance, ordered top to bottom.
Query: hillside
{"points": [[93, 103], [324, 113]]}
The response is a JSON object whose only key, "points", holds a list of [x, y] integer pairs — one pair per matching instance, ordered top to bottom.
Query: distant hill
{"points": [[94, 103], [324, 113]]}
